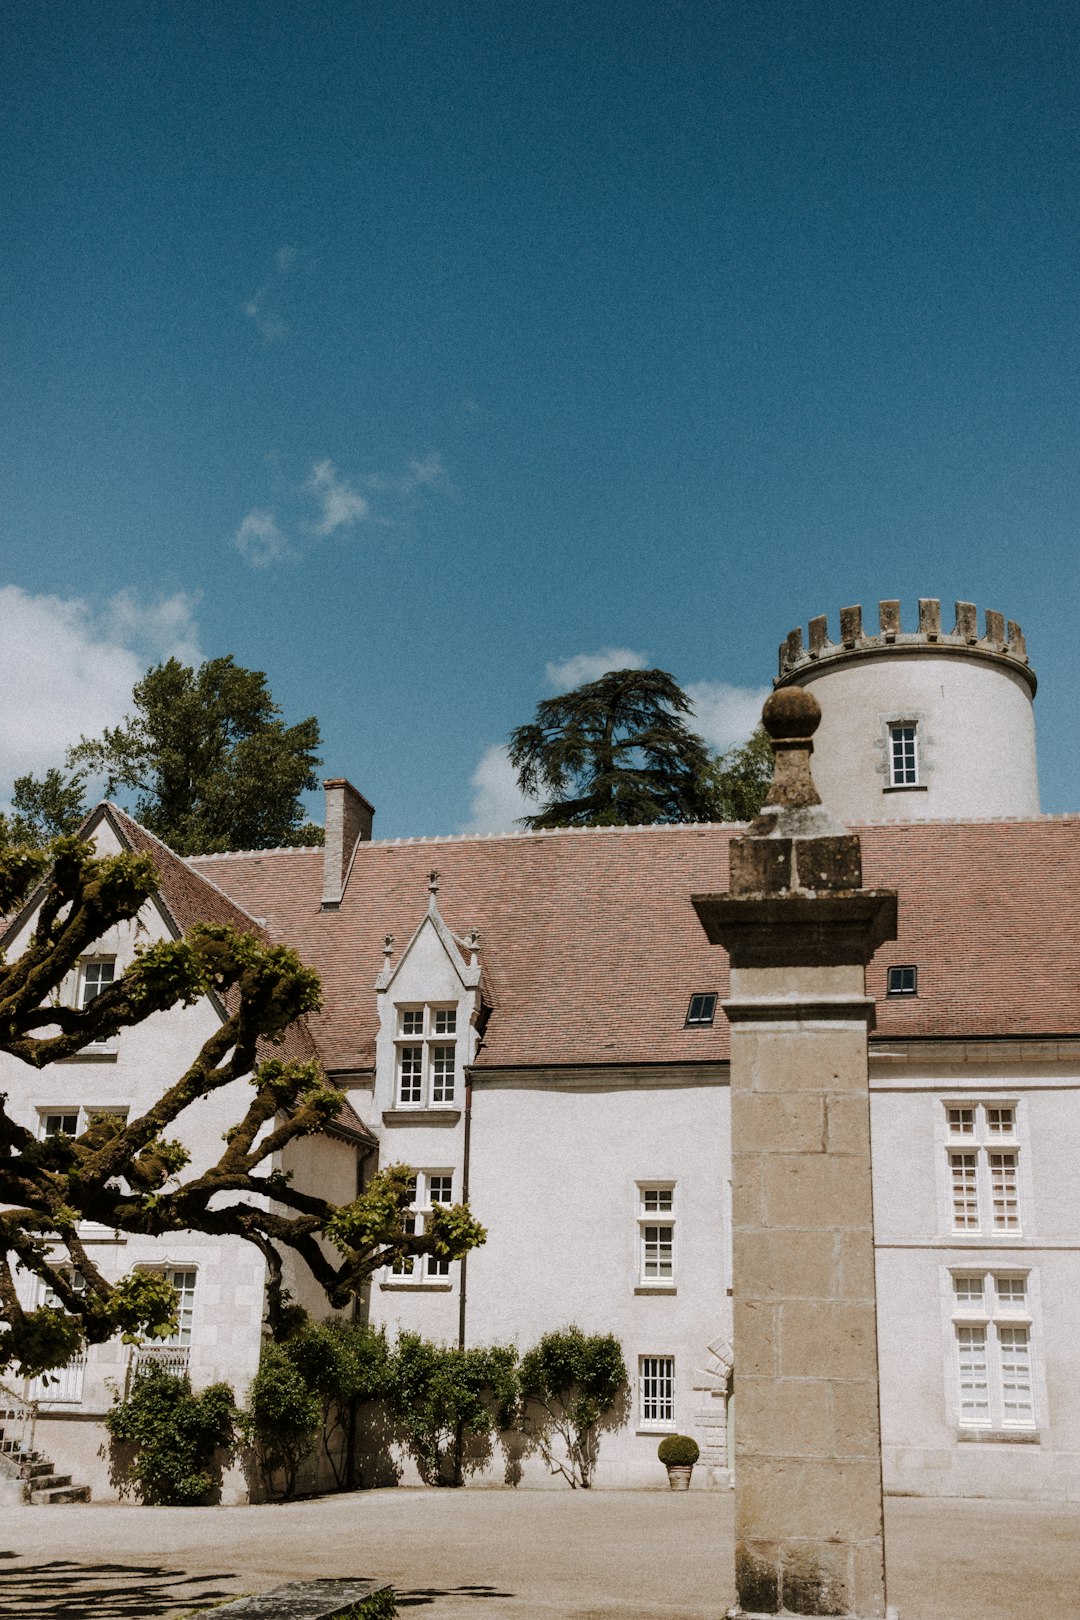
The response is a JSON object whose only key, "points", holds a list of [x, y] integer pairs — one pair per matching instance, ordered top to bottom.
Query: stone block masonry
{"points": [[799, 930]]}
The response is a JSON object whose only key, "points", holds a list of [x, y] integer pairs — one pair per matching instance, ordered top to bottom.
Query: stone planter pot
{"points": [[679, 1475]]}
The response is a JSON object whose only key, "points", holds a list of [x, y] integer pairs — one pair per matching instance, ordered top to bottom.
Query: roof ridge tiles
{"points": [[652, 827], [546, 832], [273, 849]]}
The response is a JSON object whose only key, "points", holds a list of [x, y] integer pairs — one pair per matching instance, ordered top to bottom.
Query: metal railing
{"points": [[172, 1357], [62, 1384], [18, 1422]]}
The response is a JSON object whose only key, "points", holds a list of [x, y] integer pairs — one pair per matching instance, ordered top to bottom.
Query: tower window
{"points": [[903, 754], [903, 981]]}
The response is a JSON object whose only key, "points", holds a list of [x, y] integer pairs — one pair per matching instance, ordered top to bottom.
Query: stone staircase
{"points": [[24, 1468]]}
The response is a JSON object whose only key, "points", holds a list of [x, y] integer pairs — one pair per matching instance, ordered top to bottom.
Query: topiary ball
{"points": [[678, 1450]]}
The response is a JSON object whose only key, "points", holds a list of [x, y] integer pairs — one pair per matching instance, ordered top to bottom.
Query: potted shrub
{"points": [[679, 1453]]}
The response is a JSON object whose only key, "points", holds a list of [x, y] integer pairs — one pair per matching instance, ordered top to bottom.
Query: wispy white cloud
{"points": [[260, 308], [270, 326], [421, 472], [424, 472], [341, 505], [259, 540], [163, 627], [68, 664], [582, 667], [725, 715], [497, 801]]}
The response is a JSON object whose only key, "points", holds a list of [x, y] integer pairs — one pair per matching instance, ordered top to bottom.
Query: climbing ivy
{"points": [[179, 1440]]}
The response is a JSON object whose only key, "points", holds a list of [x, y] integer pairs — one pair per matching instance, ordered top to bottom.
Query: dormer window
{"points": [[902, 981], [701, 1011], [426, 1057]]}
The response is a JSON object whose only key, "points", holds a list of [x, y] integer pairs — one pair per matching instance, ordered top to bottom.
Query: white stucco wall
{"points": [[976, 732], [555, 1175], [927, 1451]]}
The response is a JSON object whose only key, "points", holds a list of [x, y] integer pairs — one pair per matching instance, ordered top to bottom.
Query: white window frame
{"points": [[902, 762], [86, 963], [80, 1000], [421, 1044], [83, 1115], [983, 1159], [430, 1187], [653, 1218], [990, 1308], [174, 1352], [656, 1394]]}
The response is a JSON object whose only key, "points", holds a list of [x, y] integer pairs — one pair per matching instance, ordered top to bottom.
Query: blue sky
{"points": [[404, 350]]}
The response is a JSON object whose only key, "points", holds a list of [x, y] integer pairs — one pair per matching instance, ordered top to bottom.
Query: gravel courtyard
{"points": [[505, 1555]]}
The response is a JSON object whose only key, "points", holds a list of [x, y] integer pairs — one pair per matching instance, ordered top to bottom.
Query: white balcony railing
{"points": [[172, 1357], [63, 1385], [18, 1419]]}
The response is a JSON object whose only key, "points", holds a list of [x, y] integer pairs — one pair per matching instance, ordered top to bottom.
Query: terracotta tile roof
{"points": [[190, 897], [990, 915], [591, 949], [349, 1124]]}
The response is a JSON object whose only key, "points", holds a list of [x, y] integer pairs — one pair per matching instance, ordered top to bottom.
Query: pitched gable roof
{"points": [[188, 898], [591, 949]]}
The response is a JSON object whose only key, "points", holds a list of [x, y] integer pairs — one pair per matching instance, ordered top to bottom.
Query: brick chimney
{"points": [[348, 823]]}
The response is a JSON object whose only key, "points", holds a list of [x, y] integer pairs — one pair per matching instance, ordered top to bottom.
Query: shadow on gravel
{"points": [[61, 1590], [416, 1597]]}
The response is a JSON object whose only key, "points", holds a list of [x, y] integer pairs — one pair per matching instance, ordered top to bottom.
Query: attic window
{"points": [[903, 981], [701, 1011]]}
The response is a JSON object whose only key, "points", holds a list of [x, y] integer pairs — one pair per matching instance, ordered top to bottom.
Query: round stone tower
{"points": [[917, 725]]}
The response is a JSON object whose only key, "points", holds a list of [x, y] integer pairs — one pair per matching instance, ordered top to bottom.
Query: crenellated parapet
{"points": [[1001, 640]]}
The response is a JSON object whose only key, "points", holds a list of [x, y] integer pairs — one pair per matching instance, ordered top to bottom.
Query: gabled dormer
{"points": [[429, 1001]]}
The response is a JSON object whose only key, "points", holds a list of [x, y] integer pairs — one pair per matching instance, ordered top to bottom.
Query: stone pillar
{"points": [[799, 929]]}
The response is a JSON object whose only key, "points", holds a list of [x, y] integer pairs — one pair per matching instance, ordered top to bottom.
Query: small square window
{"points": [[903, 981], [701, 1011], [60, 1124], [657, 1200], [969, 1293], [1011, 1293]]}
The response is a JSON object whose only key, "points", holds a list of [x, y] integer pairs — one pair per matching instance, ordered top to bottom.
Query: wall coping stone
{"points": [[303, 1600]]}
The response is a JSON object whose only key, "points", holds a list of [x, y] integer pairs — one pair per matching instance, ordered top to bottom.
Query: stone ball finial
{"points": [[791, 711]]}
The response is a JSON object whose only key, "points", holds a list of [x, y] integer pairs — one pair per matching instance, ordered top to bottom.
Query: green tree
{"points": [[614, 752], [617, 752], [208, 759], [740, 779], [44, 808], [129, 1174], [346, 1364], [573, 1385], [443, 1396], [284, 1416], [175, 1436]]}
